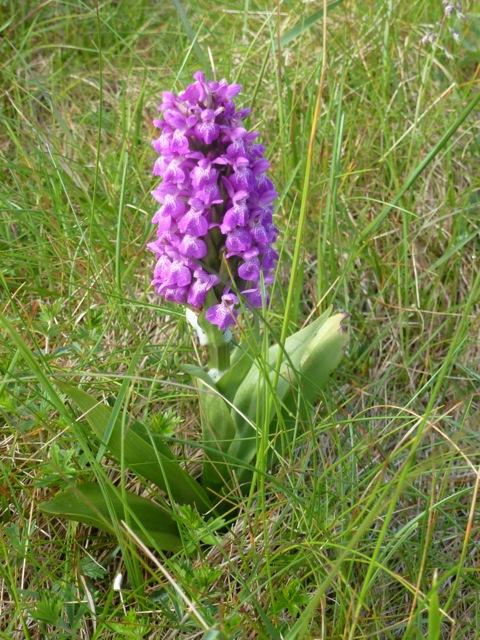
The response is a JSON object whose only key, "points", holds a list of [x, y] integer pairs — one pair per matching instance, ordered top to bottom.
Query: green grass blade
{"points": [[182, 14], [306, 23], [366, 234], [118, 239], [35, 367], [434, 614]]}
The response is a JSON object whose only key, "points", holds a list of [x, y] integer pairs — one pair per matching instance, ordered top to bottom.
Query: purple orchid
{"points": [[214, 225]]}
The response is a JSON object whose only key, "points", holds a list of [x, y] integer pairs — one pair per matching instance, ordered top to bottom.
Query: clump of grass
{"points": [[367, 528]]}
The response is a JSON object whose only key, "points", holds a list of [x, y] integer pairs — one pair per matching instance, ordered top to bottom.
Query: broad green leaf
{"points": [[295, 344], [310, 355], [321, 356], [241, 363], [199, 373], [228, 383], [245, 399], [218, 428], [218, 433], [143, 453], [105, 507], [213, 634]]}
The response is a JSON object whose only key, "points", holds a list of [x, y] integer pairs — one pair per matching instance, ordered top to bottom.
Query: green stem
{"points": [[218, 347], [219, 356]]}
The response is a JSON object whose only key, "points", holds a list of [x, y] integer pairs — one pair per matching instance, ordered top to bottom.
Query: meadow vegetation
{"points": [[369, 527]]}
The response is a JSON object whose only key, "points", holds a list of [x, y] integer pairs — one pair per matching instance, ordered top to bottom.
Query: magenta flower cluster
{"points": [[214, 225]]}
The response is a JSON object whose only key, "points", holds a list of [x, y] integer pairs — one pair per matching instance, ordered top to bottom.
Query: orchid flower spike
{"points": [[215, 231]]}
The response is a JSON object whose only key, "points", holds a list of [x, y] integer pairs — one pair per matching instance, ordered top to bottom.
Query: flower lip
{"points": [[193, 247]]}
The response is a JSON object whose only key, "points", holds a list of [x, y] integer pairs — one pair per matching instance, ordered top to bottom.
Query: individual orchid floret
{"points": [[215, 234], [224, 314]]}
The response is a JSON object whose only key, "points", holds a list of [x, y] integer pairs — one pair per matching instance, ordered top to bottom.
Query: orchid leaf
{"points": [[310, 355], [321, 356], [241, 362], [197, 372], [245, 399], [218, 430], [144, 453], [103, 507]]}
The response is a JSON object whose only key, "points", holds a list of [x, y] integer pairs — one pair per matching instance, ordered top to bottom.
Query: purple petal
{"points": [[174, 118], [207, 132], [179, 143], [162, 144], [203, 174], [209, 194], [236, 216], [164, 222], [194, 223], [259, 234], [238, 241], [193, 247], [162, 269], [249, 270], [179, 275], [200, 287], [174, 294], [253, 297], [222, 315]]}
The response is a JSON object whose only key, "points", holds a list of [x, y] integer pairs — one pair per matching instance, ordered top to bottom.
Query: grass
{"points": [[369, 528]]}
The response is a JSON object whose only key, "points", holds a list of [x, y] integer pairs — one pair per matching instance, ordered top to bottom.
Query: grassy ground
{"points": [[370, 529]]}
